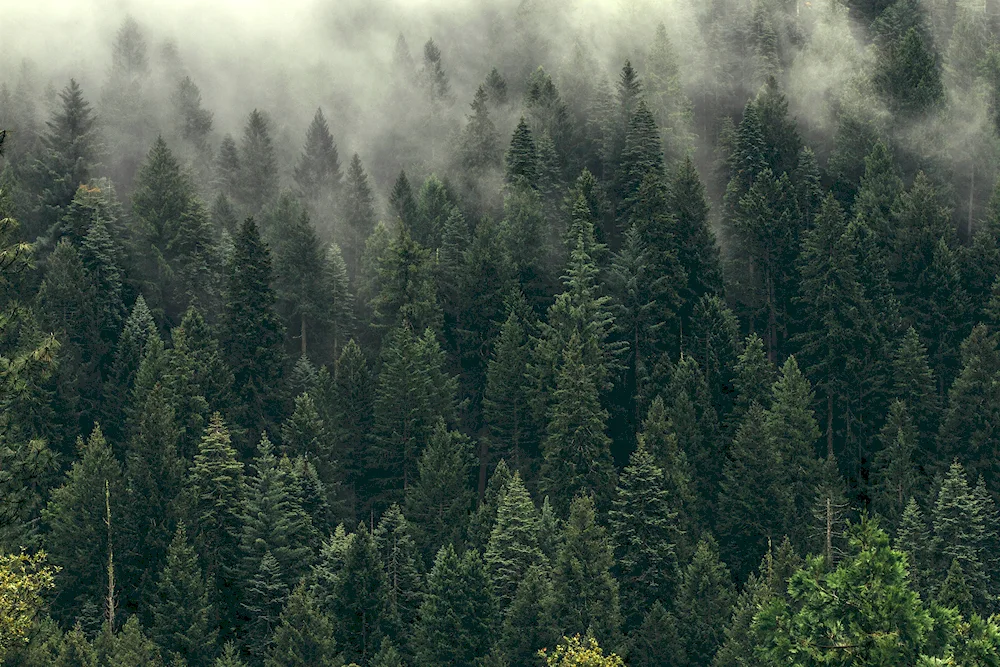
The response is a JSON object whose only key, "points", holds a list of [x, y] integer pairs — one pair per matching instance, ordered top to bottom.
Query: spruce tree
{"points": [[480, 148], [69, 155], [641, 158], [521, 161], [258, 168], [228, 170], [317, 173], [880, 186], [435, 205], [358, 213], [697, 249], [300, 287], [406, 290], [139, 329], [252, 331], [713, 341], [755, 376], [914, 383], [350, 408], [576, 452], [894, 474], [439, 500], [755, 505], [485, 516], [274, 520], [645, 533], [960, 534], [77, 536], [914, 538], [513, 546], [404, 584], [585, 591], [358, 598], [262, 601], [704, 604], [183, 617], [458, 618], [527, 623], [304, 637], [656, 641]]}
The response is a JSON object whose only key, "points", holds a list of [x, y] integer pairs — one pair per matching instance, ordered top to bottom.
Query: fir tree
{"points": [[480, 140], [522, 158], [641, 158], [228, 169], [258, 169], [317, 173], [358, 212], [697, 249], [406, 286], [300, 287], [139, 329], [252, 332], [755, 376], [914, 382], [351, 409], [576, 452], [894, 474], [439, 500], [483, 520], [645, 533], [960, 533], [78, 538], [915, 540], [513, 546], [404, 585], [585, 592], [705, 596], [264, 598], [357, 600], [182, 613], [458, 618], [527, 623], [304, 636]]}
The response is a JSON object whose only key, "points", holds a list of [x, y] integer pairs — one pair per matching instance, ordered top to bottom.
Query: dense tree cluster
{"points": [[628, 375]]}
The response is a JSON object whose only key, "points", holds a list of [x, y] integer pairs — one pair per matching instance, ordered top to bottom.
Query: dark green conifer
{"points": [[521, 160], [258, 167], [317, 173], [358, 213], [513, 546], [706, 595], [357, 600], [304, 636]]}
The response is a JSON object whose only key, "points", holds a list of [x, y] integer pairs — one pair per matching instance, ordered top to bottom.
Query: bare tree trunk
{"points": [[829, 530], [110, 602]]}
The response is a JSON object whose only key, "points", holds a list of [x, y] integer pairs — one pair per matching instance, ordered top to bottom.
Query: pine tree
{"points": [[434, 75], [909, 75], [195, 122], [480, 148], [70, 153], [641, 158], [521, 161], [258, 169], [228, 170], [317, 173], [879, 189], [435, 205], [358, 213], [173, 229], [697, 249], [102, 260], [406, 286], [300, 287], [139, 329], [252, 332], [713, 341], [755, 376], [914, 383], [413, 392], [351, 409], [969, 424], [792, 431], [307, 436], [576, 452], [894, 474], [216, 493], [439, 500], [755, 505], [75, 516], [274, 520], [482, 522], [645, 533], [959, 534], [914, 539], [513, 546], [404, 586], [954, 591], [585, 592], [265, 594], [358, 597], [705, 597], [182, 613], [458, 617], [527, 623], [304, 637], [656, 641], [230, 657]]}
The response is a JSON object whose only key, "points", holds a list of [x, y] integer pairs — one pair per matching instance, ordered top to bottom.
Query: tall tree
{"points": [[258, 167], [317, 173], [358, 213], [252, 332], [513, 546], [358, 598], [704, 604], [304, 636]]}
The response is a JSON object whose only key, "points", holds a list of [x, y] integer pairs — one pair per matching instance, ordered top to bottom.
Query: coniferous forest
{"points": [[512, 333]]}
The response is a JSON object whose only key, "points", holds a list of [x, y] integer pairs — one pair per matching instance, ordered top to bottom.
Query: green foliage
{"points": [[513, 546], [706, 595], [304, 637]]}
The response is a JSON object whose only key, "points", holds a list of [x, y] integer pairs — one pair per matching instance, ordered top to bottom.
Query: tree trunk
{"points": [[829, 530], [110, 602]]}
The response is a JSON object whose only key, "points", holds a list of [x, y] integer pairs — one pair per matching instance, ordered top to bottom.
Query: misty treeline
{"points": [[682, 352]]}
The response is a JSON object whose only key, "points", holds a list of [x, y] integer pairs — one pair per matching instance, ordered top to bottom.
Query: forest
{"points": [[500, 333]]}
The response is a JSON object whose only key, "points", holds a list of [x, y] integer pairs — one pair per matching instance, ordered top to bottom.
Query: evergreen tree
{"points": [[434, 75], [909, 75], [195, 122], [480, 149], [70, 154], [641, 158], [521, 161], [258, 168], [228, 170], [317, 173], [879, 189], [435, 205], [358, 213], [697, 249], [406, 286], [300, 287], [139, 329], [252, 332], [713, 341], [755, 376], [914, 383], [412, 394], [350, 407], [792, 431], [576, 452], [894, 474], [216, 492], [439, 500], [755, 505], [274, 520], [482, 522], [645, 533], [960, 534], [78, 536], [915, 540], [513, 546], [399, 554], [585, 592], [265, 594], [358, 597], [704, 604], [182, 613], [458, 618], [527, 624], [304, 636], [656, 641], [129, 647], [230, 657]]}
